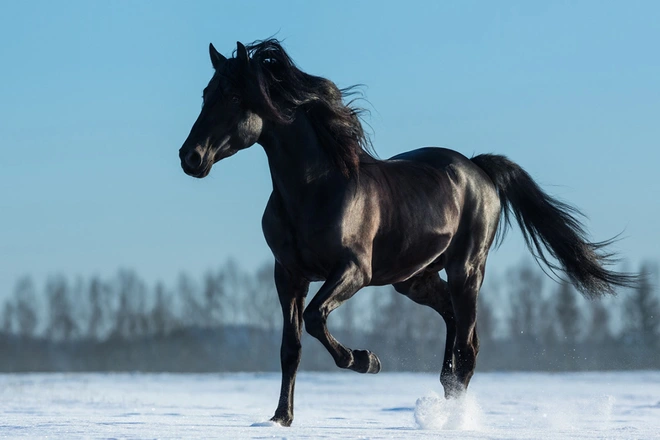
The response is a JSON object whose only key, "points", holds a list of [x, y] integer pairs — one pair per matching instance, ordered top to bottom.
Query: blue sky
{"points": [[97, 97]]}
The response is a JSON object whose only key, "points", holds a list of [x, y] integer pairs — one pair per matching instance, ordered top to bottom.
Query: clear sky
{"points": [[96, 97]]}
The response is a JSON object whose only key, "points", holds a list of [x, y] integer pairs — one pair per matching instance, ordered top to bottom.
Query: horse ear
{"points": [[242, 54], [217, 59]]}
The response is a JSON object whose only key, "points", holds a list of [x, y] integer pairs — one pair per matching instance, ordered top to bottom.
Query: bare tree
{"points": [[234, 282], [213, 292], [526, 298], [25, 300], [261, 302], [98, 307], [192, 308], [60, 310], [643, 310], [568, 314], [130, 316], [140, 316], [8, 318], [162, 321], [599, 325]]}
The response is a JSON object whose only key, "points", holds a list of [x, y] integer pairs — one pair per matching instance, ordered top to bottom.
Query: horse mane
{"points": [[284, 89]]}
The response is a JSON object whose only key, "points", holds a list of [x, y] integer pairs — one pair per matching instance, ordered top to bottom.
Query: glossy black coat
{"points": [[338, 215]]}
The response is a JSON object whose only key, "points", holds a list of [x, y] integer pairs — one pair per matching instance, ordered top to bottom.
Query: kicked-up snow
{"points": [[342, 405]]}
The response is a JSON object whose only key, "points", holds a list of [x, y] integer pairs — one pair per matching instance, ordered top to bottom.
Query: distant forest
{"points": [[230, 320]]}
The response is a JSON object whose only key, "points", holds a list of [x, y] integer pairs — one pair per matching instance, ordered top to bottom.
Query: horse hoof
{"points": [[365, 361], [374, 364], [276, 421], [268, 424]]}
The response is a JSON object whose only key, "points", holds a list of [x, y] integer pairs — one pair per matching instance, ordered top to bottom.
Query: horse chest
{"points": [[294, 246]]}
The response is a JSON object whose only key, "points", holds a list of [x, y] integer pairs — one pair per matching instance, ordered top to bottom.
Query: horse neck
{"points": [[296, 158]]}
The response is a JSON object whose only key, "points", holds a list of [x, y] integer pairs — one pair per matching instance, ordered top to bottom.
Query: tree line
{"points": [[230, 320]]}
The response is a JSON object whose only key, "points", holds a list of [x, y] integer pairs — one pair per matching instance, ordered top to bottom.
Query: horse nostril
{"points": [[194, 159]]}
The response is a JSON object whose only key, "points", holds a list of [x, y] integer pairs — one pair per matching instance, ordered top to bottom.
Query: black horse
{"points": [[338, 214]]}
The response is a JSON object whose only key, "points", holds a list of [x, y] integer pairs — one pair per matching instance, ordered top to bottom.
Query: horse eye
{"points": [[236, 99]]}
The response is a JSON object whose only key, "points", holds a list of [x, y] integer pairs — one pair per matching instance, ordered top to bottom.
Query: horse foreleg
{"points": [[341, 285], [291, 291]]}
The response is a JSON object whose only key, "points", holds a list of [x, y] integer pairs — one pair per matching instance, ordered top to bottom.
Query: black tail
{"points": [[551, 225]]}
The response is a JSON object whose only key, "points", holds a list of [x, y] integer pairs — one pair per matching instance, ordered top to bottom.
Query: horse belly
{"points": [[395, 262]]}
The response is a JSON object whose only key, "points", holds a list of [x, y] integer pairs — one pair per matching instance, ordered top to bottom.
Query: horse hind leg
{"points": [[464, 282], [430, 290]]}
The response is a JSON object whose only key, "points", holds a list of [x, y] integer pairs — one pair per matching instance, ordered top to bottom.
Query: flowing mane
{"points": [[284, 89]]}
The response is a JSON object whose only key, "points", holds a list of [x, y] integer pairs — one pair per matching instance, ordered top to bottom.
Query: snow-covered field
{"points": [[341, 405]]}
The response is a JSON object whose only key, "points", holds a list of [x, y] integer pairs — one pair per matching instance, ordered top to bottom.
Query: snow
{"points": [[342, 405]]}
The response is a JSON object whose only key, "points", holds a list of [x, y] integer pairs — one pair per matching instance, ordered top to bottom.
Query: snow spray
{"points": [[437, 413]]}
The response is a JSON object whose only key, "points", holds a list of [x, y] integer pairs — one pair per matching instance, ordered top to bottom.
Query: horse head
{"points": [[226, 123]]}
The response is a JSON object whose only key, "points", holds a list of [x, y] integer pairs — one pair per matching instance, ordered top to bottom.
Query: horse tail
{"points": [[550, 225]]}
